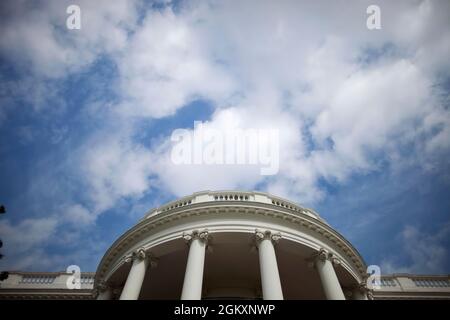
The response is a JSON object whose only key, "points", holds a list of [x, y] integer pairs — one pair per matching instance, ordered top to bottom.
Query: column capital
{"points": [[202, 235], [261, 235], [139, 254], [323, 255]]}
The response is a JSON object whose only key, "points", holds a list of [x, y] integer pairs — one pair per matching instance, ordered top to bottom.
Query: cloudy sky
{"points": [[86, 118]]}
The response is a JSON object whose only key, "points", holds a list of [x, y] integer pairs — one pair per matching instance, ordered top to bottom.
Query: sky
{"points": [[87, 118]]}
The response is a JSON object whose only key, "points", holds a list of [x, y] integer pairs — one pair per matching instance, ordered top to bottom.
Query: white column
{"points": [[193, 277], [328, 277], [270, 278], [133, 285], [105, 292]]}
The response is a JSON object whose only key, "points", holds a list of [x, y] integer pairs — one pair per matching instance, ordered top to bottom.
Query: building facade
{"points": [[228, 245]]}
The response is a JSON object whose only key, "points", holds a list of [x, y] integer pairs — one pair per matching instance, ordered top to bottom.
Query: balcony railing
{"points": [[232, 196], [37, 279], [50, 280], [388, 282], [407, 282], [432, 283]]}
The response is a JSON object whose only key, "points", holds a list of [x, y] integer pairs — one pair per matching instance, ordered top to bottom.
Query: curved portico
{"points": [[213, 245]]}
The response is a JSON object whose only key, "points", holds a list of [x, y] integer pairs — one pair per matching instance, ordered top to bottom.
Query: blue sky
{"points": [[86, 118]]}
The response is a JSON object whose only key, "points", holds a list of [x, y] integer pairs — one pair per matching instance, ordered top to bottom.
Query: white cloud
{"points": [[422, 29], [48, 49], [166, 65], [280, 65], [368, 109], [335, 111], [113, 167], [78, 215], [28, 232], [27, 242], [427, 253]]}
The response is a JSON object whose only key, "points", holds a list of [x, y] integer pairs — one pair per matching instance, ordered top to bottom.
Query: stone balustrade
{"points": [[232, 196], [47, 280], [413, 286]]}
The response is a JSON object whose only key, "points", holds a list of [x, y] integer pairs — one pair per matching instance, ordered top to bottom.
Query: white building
{"points": [[218, 245]]}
